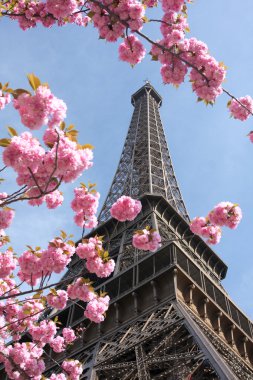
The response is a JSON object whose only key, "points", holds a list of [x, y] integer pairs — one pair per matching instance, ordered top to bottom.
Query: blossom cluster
{"points": [[47, 13], [111, 19], [131, 50], [177, 54], [181, 54], [43, 108], [238, 111], [34, 166], [39, 170], [85, 205], [125, 208], [224, 214], [147, 239], [97, 259], [34, 264], [57, 299], [96, 305], [28, 357]]}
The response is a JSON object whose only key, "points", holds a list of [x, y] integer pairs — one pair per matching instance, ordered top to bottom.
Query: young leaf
{"points": [[34, 81], [12, 131], [5, 142], [87, 146], [63, 234]]}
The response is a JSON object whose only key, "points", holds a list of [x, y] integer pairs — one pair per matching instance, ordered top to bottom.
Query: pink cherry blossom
{"points": [[172, 5], [61, 8], [173, 21], [131, 50], [174, 73], [4, 99], [41, 109], [238, 111], [51, 135], [251, 136], [23, 152], [72, 160], [54, 199], [85, 201], [85, 204], [125, 208], [226, 214], [6, 217], [85, 221], [197, 224], [205, 228], [212, 233], [147, 240], [88, 248], [57, 256], [7, 263], [30, 266], [100, 267], [81, 289], [57, 299], [96, 309], [44, 332], [68, 335], [57, 344], [28, 357], [73, 368], [58, 376]]}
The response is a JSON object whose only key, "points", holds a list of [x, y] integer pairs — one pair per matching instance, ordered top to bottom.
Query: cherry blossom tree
{"points": [[126, 19], [42, 167]]}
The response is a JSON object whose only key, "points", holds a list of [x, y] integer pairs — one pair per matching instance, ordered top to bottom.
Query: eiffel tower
{"points": [[169, 316]]}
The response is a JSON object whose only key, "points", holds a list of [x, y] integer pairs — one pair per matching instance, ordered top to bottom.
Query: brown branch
{"points": [[163, 48], [39, 289], [22, 319]]}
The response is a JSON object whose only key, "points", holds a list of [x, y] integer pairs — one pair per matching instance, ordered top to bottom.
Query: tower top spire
{"points": [[146, 89]]}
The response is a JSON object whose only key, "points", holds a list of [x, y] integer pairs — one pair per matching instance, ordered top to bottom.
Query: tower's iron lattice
{"points": [[145, 165], [169, 316]]}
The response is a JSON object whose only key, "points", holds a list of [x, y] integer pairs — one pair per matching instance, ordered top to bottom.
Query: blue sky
{"points": [[211, 154]]}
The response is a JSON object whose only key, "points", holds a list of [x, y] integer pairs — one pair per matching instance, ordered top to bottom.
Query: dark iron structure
{"points": [[169, 316]]}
